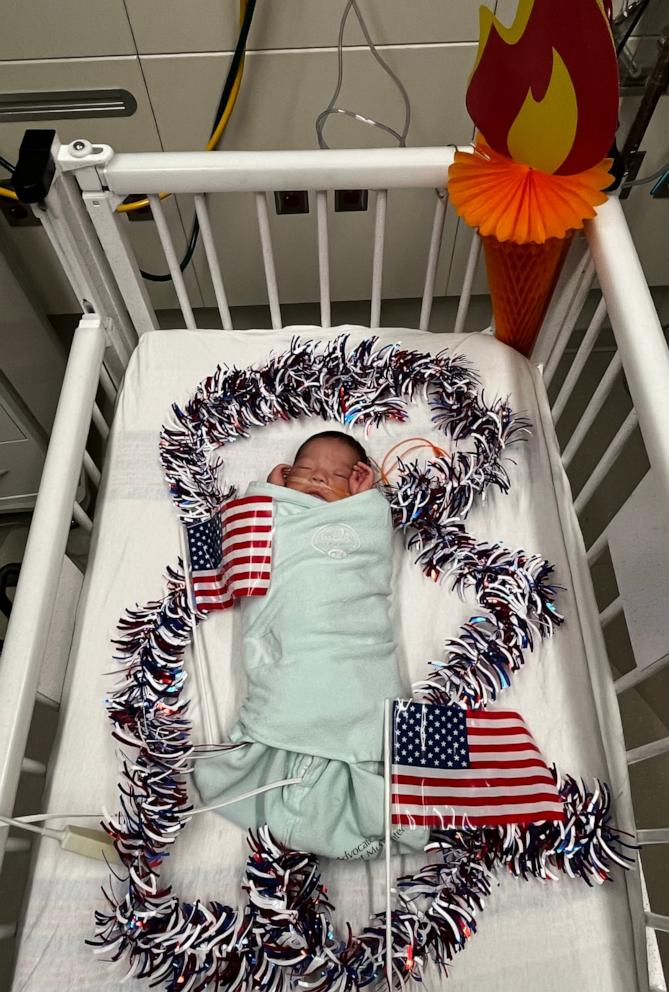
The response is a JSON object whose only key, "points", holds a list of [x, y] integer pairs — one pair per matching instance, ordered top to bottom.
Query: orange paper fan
{"points": [[514, 202]]}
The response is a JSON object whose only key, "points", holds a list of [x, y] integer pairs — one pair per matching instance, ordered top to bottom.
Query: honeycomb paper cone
{"points": [[521, 280]]}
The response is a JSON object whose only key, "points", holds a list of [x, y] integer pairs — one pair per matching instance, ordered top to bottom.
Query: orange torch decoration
{"points": [[544, 98]]}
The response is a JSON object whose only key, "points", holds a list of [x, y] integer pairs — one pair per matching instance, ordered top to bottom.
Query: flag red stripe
{"points": [[244, 501], [247, 515], [260, 529], [232, 547], [247, 560], [248, 576], [210, 587], [494, 715], [493, 731], [502, 748], [517, 763], [471, 783], [453, 802], [432, 820]]}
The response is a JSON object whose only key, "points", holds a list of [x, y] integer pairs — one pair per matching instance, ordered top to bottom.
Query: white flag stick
{"points": [[204, 689], [387, 759]]}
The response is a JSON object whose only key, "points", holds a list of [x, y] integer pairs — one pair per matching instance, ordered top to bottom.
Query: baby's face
{"points": [[323, 469]]}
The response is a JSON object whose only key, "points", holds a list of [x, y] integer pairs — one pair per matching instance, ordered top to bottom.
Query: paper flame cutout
{"points": [[545, 91]]}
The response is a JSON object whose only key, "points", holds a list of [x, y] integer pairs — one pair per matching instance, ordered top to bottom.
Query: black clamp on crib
{"points": [[35, 168]]}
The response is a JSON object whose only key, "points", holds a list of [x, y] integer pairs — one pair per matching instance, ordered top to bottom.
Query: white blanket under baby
{"points": [[532, 936]]}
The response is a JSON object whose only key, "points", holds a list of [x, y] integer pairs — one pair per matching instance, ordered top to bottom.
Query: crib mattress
{"points": [[532, 936]]}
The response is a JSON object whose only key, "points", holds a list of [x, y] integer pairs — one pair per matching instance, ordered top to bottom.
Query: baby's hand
{"points": [[279, 474], [361, 478]]}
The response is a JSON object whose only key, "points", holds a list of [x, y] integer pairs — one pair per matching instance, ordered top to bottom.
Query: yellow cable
{"points": [[9, 194], [126, 208]]}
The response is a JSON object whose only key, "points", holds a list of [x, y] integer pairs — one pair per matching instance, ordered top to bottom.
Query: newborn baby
{"points": [[330, 466], [320, 661]]}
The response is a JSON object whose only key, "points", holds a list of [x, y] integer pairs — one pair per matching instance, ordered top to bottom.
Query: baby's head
{"points": [[331, 465]]}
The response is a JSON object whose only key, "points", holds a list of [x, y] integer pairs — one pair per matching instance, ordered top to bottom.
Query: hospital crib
{"points": [[90, 239]]}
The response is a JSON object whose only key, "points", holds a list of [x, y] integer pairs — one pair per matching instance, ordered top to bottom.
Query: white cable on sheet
{"points": [[323, 255], [212, 259], [433, 259], [268, 260], [172, 261], [377, 261], [467, 283], [582, 355], [201, 676], [245, 795], [10, 821], [26, 822]]}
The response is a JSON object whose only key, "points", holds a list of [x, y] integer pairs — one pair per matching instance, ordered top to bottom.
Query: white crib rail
{"points": [[204, 173], [106, 179], [56, 505]]}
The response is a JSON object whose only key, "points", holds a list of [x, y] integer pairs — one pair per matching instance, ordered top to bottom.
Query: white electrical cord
{"points": [[331, 108], [26, 822]]}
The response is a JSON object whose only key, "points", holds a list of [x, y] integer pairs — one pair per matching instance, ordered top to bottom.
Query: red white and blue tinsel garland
{"points": [[285, 932]]}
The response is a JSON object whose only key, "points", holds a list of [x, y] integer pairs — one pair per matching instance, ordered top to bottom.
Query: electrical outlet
{"points": [[347, 200], [292, 201], [17, 214]]}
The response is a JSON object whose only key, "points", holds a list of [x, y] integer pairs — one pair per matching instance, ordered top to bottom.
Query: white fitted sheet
{"points": [[532, 936]]}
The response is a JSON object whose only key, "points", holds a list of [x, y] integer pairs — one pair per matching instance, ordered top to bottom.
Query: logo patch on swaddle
{"points": [[336, 540]]}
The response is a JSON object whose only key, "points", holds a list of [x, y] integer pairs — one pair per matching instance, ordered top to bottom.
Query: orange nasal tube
{"points": [[423, 442]]}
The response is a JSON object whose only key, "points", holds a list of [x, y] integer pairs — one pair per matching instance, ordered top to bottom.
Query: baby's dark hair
{"points": [[336, 436]]}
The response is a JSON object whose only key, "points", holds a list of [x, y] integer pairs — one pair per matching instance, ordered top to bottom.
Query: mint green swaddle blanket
{"points": [[320, 661]]}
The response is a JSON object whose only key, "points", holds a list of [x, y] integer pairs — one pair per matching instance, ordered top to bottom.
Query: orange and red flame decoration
{"points": [[544, 97]]}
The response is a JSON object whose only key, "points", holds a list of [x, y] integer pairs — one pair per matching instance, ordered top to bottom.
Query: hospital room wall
{"points": [[173, 60]]}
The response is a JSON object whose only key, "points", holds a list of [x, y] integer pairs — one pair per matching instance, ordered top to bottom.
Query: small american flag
{"points": [[231, 553], [467, 768]]}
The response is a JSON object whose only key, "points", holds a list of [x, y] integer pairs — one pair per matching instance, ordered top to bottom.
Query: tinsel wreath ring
{"points": [[285, 931]]}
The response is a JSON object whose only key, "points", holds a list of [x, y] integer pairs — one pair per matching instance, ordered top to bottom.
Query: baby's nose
{"points": [[318, 475]]}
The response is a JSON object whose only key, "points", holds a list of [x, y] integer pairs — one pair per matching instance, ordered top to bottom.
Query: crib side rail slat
{"points": [[112, 231], [323, 255], [377, 259], [212, 260], [268, 260], [433, 260], [172, 261], [467, 283], [576, 296], [637, 330], [581, 357], [596, 403], [606, 461], [35, 595], [639, 675]]}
